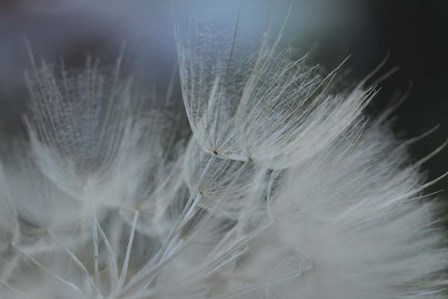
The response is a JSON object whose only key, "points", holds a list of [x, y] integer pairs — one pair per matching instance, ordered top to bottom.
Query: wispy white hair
{"points": [[283, 190]]}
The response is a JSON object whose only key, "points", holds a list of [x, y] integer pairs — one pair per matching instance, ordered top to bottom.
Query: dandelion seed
{"points": [[263, 108]]}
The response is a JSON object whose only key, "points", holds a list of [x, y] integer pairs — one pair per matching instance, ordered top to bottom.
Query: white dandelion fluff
{"points": [[263, 107], [282, 188]]}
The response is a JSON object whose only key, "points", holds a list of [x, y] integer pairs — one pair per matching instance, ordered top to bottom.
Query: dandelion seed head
{"points": [[282, 189]]}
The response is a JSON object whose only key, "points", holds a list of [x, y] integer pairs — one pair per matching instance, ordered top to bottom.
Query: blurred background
{"points": [[412, 34]]}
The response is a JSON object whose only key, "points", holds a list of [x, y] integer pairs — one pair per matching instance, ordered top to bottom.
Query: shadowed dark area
{"points": [[414, 35]]}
